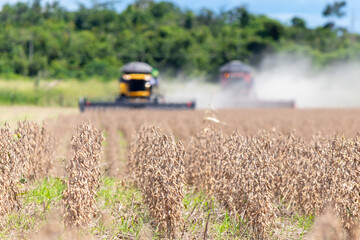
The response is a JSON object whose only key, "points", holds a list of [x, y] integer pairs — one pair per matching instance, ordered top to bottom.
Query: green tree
{"points": [[334, 10], [298, 22], [48, 40]]}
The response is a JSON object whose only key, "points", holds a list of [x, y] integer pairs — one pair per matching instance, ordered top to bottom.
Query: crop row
{"points": [[26, 155], [252, 175], [257, 177]]}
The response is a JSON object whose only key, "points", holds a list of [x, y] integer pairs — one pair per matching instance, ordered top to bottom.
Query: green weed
{"points": [[45, 191]]}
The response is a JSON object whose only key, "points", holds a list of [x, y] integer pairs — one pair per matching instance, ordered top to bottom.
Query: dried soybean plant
{"points": [[35, 150], [24, 154], [203, 162], [157, 163], [236, 170], [249, 172], [324, 172], [9, 173], [319, 174], [83, 176], [307, 176]]}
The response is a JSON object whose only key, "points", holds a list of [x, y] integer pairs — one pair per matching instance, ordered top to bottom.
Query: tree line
{"points": [[53, 42]]}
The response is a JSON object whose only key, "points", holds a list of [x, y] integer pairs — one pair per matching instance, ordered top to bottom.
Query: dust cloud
{"points": [[286, 77], [279, 78], [198, 89]]}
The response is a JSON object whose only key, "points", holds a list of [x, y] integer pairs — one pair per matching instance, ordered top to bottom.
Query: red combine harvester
{"points": [[236, 78]]}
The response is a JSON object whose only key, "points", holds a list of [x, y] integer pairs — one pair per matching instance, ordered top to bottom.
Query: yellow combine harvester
{"points": [[137, 80], [135, 85], [136, 91]]}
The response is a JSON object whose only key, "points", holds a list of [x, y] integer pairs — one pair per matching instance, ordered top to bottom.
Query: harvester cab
{"points": [[236, 75], [136, 81], [136, 90]]}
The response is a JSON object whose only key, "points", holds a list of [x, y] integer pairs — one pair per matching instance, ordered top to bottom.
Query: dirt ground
{"points": [[183, 124]]}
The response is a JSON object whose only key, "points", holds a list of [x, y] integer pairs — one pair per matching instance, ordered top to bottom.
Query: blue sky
{"points": [[282, 10]]}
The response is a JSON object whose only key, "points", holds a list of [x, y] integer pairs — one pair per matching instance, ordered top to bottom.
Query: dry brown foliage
{"points": [[35, 150], [25, 154], [204, 157], [156, 161], [252, 170], [238, 171], [9, 173], [322, 173], [250, 174], [83, 176]]}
